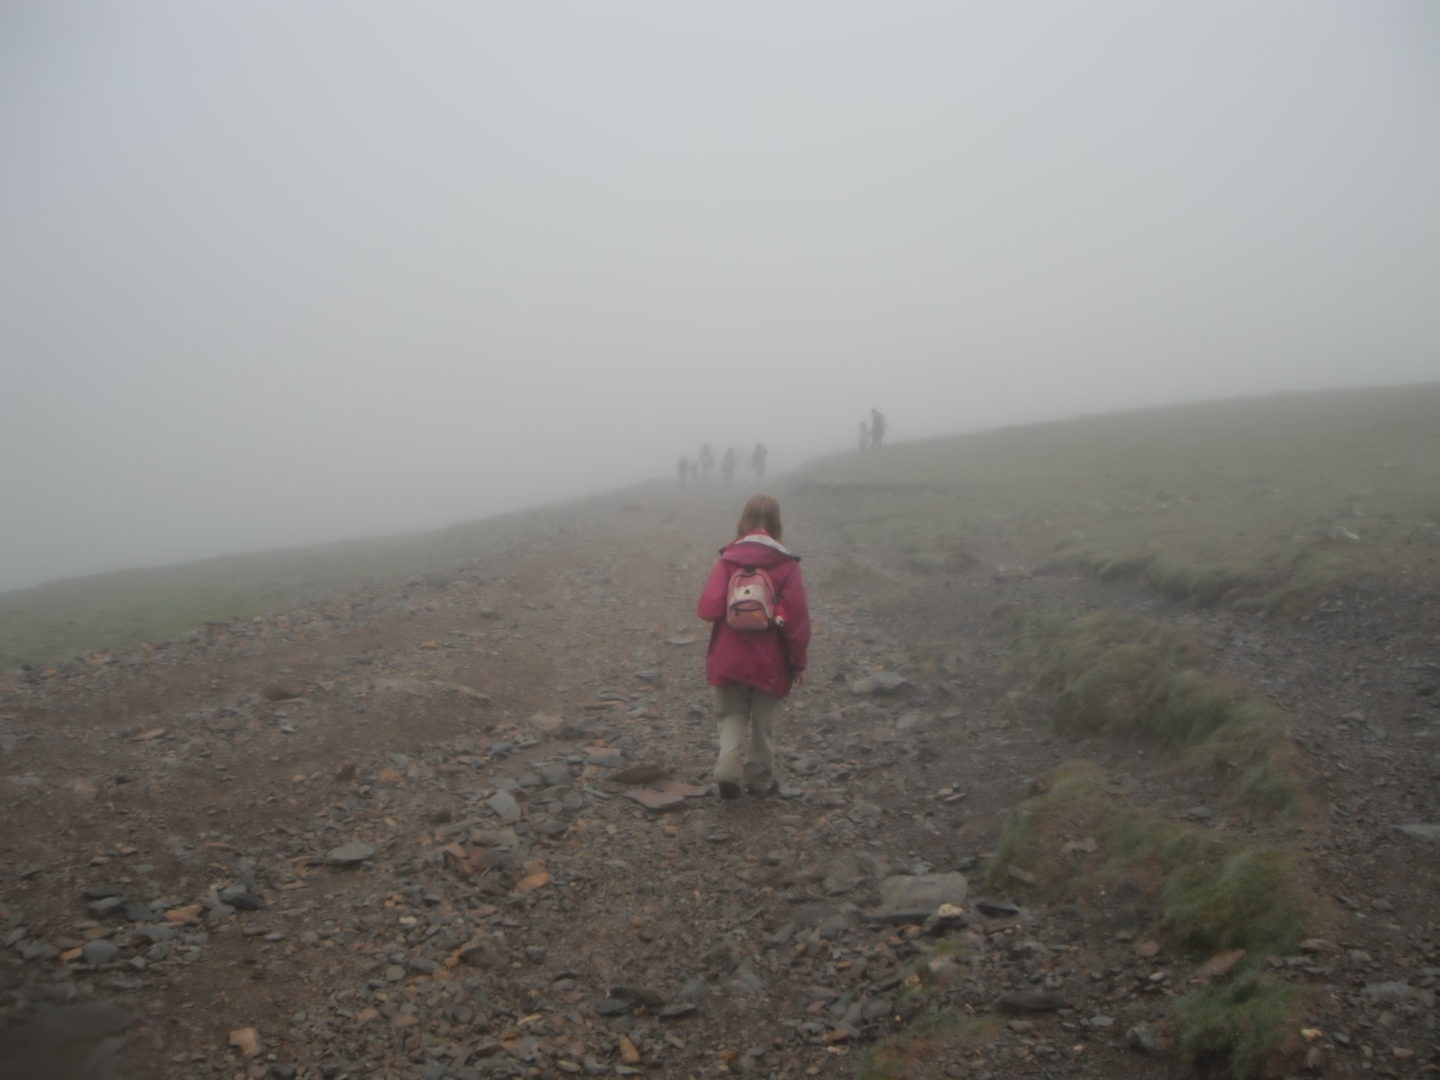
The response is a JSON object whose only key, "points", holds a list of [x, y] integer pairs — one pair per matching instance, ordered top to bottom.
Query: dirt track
{"points": [[168, 828]]}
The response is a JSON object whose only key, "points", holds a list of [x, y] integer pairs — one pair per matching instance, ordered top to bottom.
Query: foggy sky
{"points": [[279, 272]]}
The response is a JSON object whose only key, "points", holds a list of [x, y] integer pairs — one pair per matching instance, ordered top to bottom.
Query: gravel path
{"points": [[461, 826]]}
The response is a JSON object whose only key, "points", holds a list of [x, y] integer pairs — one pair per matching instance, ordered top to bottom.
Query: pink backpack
{"points": [[750, 600]]}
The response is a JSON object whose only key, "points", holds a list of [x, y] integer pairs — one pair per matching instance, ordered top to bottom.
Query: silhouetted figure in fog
{"points": [[877, 428], [864, 435], [757, 460], [707, 462], [727, 465], [682, 469]]}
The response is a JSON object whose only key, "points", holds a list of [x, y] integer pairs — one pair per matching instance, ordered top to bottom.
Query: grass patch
{"points": [[1266, 503], [64, 619], [1123, 674], [1209, 892], [1239, 1027], [917, 1053]]}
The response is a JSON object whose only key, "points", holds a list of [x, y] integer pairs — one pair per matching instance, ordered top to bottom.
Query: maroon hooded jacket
{"points": [[766, 659]]}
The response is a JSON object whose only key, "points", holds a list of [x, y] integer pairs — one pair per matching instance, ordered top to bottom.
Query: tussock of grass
{"points": [[1123, 674], [1210, 891], [1216, 891], [1238, 1027], [917, 1052]]}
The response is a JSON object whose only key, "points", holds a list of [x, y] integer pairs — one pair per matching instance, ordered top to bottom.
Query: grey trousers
{"points": [[742, 709]]}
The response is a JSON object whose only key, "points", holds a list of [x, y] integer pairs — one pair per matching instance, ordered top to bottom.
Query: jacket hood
{"points": [[757, 550]]}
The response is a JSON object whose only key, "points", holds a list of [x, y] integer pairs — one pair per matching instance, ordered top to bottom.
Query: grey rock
{"points": [[879, 682], [911, 721], [554, 773], [503, 805], [351, 854], [914, 897], [240, 898], [109, 906], [997, 908], [137, 912], [100, 951], [1395, 993], [640, 995], [1029, 1001], [1143, 1039]]}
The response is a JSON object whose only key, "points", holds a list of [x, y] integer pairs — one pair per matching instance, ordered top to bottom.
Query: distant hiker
{"points": [[877, 428], [864, 435], [757, 460], [707, 462], [727, 465], [682, 469], [754, 585]]}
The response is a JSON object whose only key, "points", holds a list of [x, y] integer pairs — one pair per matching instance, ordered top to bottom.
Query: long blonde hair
{"points": [[761, 512]]}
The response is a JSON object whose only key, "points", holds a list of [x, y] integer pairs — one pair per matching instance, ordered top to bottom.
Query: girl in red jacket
{"points": [[754, 669]]}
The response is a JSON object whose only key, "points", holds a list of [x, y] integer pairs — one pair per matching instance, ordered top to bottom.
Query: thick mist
{"points": [[278, 273]]}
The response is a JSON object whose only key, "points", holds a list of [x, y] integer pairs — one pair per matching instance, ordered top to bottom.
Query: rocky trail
{"points": [[461, 826]]}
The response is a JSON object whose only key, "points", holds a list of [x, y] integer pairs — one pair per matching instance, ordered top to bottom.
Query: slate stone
{"points": [[879, 682], [910, 721], [554, 774], [653, 799], [503, 805], [351, 854], [914, 897], [240, 898], [104, 908], [997, 908], [100, 951], [1391, 993], [640, 995], [1030, 1001]]}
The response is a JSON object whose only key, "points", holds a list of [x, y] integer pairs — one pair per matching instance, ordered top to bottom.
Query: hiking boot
{"points": [[729, 789]]}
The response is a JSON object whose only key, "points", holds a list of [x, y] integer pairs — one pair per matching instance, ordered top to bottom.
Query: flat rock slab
{"points": [[879, 682], [676, 787], [665, 795], [652, 799], [503, 805], [351, 854], [915, 897]]}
